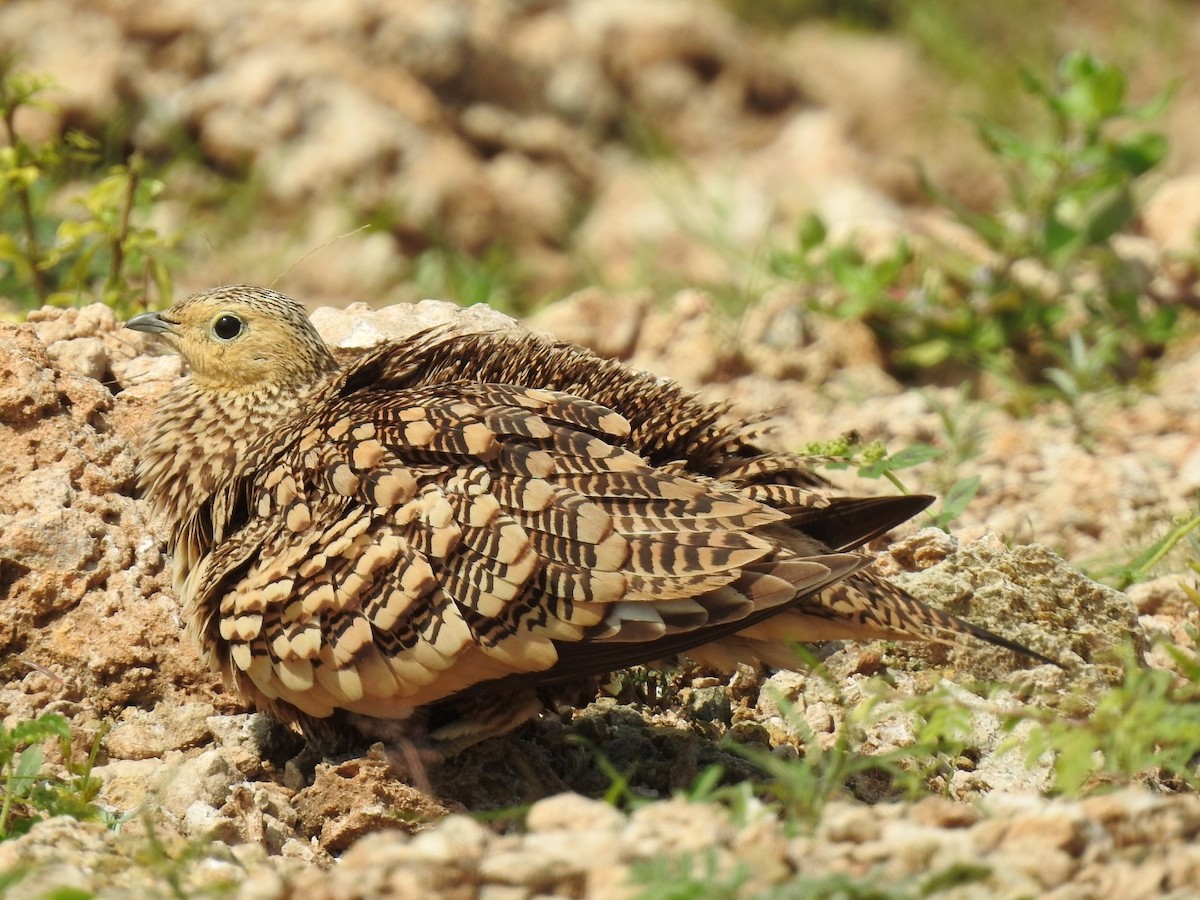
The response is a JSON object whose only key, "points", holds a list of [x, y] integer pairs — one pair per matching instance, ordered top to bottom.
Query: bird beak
{"points": [[151, 323]]}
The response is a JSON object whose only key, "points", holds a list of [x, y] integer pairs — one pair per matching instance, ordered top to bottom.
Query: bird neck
{"points": [[199, 441]]}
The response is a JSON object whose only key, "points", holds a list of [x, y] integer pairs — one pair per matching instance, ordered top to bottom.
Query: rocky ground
{"points": [[530, 122], [91, 630]]}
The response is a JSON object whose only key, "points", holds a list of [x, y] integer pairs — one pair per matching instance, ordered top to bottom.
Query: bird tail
{"points": [[864, 607]]}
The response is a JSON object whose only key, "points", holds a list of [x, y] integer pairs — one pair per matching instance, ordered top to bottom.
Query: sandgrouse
{"points": [[457, 515]]}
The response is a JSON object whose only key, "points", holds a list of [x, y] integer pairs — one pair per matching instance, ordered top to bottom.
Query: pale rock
{"points": [[431, 40], [87, 63], [578, 90], [535, 194], [1171, 216], [609, 324], [358, 326], [83, 356], [27, 383], [1167, 595], [782, 694], [818, 717], [253, 732], [144, 734], [207, 777], [571, 812], [942, 812], [201, 821], [850, 823], [673, 826], [1063, 828], [457, 840], [57, 854], [528, 867], [1046, 867], [262, 883], [505, 892]]}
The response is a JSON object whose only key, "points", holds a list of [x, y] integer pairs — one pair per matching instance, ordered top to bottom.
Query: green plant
{"points": [[99, 249], [136, 255], [1056, 274], [492, 278], [841, 280], [1054, 304], [873, 461], [1142, 564], [1146, 726], [801, 788], [29, 793], [174, 861], [685, 877], [842, 886]]}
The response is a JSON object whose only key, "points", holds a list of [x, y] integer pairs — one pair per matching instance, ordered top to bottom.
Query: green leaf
{"points": [[1033, 84], [1091, 90], [1148, 112], [1004, 142], [1140, 153], [22, 176], [107, 197], [1108, 213], [992, 230], [72, 231], [811, 232], [1058, 238], [11, 252], [78, 275], [161, 276], [926, 354], [1064, 381], [914, 455], [910, 456], [961, 493], [39, 729], [29, 764], [68, 893]]}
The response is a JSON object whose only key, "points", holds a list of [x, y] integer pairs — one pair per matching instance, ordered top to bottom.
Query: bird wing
{"points": [[399, 546]]}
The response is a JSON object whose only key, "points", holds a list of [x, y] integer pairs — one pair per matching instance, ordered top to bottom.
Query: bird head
{"points": [[240, 337]]}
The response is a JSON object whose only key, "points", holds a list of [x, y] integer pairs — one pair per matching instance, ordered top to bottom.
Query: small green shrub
{"points": [[1070, 194], [97, 250], [492, 278], [1056, 304], [873, 461], [1143, 563], [1146, 727], [830, 768], [29, 792], [688, 877]]}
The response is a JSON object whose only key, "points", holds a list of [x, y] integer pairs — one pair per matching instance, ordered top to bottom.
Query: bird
{"points": [[468, 518]]}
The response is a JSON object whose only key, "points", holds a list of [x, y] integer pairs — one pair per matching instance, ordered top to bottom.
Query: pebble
{"points": [[144, 734], [571, 812], [848, 823]]}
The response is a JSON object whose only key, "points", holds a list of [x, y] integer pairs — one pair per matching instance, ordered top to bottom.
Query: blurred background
{"points": [[518, 149], [956, 177]]}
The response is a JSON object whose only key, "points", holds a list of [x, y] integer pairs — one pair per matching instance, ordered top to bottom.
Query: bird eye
{"points": [[227, 327]]}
